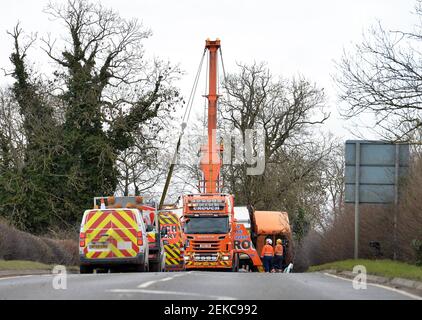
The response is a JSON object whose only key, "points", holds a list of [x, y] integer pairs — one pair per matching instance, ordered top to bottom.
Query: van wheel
{"points": [[86, 270]]}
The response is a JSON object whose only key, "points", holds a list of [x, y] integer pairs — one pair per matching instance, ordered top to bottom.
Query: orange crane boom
{"points": [[211, 159]]}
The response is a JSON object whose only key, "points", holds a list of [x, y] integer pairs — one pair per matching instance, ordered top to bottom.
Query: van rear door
{"points": [[97, 229], [124, 233], [111, 234]]}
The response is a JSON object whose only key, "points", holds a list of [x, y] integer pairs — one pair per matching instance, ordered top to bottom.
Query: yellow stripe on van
{"points": [[129, 219], [92, 220], [99, 229], [130, 235], [116, 251]]}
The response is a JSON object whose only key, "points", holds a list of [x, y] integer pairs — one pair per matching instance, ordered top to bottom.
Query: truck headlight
{"points": [[187, 258], [226, 258]]}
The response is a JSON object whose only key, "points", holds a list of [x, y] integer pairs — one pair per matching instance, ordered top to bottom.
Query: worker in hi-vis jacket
{"points": [[267, 255], [278, 256]]}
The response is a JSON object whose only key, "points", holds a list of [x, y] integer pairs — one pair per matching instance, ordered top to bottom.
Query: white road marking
{"points": [[17, 277], [165, 279], [150, 283], [147, 284], [380, 286], [142, 289], [177, 293]]}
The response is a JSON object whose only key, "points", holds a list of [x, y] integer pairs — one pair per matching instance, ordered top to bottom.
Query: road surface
{"points": [[191, 286]]}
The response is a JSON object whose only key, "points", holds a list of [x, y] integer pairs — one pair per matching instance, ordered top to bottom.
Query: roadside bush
{"points": [[409, 221], [376, 228], [18, 245], [417, 245], [308, 252]]}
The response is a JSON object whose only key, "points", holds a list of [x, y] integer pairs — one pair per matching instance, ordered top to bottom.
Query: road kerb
{"points": [[17, 273], [369, 277], [405, 283], [412, 285]]}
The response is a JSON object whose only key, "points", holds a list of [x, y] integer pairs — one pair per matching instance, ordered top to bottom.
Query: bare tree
{"points": [[382, 76], [283, 108], [286, 110], [12, 138], [141, 166], [332, 182]]}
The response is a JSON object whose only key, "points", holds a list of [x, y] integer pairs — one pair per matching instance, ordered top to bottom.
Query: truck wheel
{"points": [[86, 270]]}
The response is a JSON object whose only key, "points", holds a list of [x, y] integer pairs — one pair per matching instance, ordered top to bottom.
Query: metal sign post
{"points": [[357, 176], [396, 199]]}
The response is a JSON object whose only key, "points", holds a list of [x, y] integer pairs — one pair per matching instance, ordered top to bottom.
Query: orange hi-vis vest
{"points": [[278, 250], [267, 251]]}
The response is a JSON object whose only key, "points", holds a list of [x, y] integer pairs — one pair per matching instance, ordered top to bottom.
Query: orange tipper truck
{"points": [[272, 225], [213, 240]]}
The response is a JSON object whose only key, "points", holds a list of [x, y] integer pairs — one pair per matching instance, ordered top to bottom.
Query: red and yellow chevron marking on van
{"points": [[111, 234], [151, 237]]}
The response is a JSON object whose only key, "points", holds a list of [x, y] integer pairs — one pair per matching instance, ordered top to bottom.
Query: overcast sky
{"points": [[293, 37]]}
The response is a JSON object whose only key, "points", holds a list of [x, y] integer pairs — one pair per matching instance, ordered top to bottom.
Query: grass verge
{"points": [[28, 265], [383, 268]]}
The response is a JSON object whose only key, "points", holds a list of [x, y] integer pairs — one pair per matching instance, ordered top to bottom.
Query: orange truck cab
{"points": [[209, 227]]}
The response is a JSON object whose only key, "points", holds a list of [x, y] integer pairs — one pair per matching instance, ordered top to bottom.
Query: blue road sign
{"points": [[374, 170]]}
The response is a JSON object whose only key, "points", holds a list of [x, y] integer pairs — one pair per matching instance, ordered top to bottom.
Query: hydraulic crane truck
{"points": [[213, 239]]}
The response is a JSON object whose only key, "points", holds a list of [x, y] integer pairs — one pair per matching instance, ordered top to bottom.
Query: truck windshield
{"points": [[217, 225]]}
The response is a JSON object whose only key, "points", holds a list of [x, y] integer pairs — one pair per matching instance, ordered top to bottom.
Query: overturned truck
{"points": [[264, 225]]}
